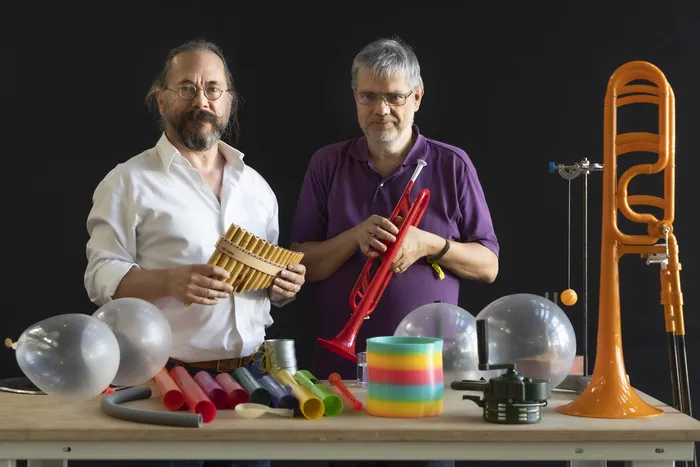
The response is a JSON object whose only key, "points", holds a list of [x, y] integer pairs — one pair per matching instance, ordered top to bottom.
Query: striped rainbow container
{"points": [[404, 376]]}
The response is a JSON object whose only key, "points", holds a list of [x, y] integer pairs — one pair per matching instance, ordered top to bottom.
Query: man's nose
{"points": [[200, 100], [381, 107]]}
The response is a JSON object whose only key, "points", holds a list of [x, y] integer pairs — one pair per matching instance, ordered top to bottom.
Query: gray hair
{"points": [[196, 45], [388, 57]]}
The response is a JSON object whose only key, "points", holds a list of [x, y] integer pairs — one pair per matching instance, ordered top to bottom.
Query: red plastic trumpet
{"points": [[373, 279]]}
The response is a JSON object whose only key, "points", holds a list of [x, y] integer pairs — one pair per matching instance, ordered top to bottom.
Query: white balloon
{"points": [[457, 329], [532, 332], [144, 335], [72, 355]]}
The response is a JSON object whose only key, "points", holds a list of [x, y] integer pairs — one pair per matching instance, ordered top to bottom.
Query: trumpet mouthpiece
{"points": [[419, 167]]}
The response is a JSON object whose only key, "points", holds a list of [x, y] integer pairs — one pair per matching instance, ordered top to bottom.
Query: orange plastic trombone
{"points": [[609, 394]]}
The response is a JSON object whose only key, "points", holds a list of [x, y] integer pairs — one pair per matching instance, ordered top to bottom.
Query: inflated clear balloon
{"points": [[457, 328], [532, 332], [144, 335], [73, 355]]}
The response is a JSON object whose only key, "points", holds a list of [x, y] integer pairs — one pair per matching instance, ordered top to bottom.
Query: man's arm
{"points": [[111, 247], [475, 255], [322, 259], [467, 260], [112, 271], [146, 285]]}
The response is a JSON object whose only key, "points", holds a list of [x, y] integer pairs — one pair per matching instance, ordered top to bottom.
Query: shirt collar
{"points": [[360, 151], [169, 154]]}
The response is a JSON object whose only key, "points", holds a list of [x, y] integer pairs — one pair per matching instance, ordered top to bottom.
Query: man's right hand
{"points": [[371, 231], [198, 283]]}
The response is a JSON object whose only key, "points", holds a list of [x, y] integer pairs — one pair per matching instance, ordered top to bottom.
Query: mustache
{"points": [[200, 115]]}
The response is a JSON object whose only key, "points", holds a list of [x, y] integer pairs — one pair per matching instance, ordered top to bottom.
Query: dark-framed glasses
{"points": [[189, 91], [393, 99]]}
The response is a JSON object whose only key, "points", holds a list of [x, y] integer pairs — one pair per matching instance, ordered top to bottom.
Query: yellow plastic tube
{"points": [[310, 406]]}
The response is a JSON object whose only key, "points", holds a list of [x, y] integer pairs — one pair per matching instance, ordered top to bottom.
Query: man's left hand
{"points": [[414, 247], [288, 283]]}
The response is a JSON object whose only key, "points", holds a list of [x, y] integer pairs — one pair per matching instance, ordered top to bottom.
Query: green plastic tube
{"points": [[258, 394], [332, 404]]}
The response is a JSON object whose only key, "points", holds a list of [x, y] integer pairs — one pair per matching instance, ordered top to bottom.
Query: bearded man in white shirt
{"points": [[156, 218]]}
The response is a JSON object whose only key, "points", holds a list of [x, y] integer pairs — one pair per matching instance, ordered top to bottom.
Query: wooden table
{"points": [[48, 431]]}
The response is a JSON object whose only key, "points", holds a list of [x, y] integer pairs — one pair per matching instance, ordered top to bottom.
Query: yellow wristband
{"points": [[438, 270]]}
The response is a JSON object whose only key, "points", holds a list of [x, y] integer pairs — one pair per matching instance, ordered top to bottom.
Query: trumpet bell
{"points": [[339, 347]]}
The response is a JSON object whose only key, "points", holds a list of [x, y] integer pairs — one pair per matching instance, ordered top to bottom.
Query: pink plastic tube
{"points": [[337, 382], [212, 389], [235, 392], [170, 394], [196, 400]]}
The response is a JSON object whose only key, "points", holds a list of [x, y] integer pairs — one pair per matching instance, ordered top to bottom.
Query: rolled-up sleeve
{"points": [[475, 223], [273, 231], [111, 248]]}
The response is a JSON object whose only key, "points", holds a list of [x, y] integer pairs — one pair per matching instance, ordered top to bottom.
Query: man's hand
{"points": [[371, 231], [415, 245], [198, 283], [288, 283]]}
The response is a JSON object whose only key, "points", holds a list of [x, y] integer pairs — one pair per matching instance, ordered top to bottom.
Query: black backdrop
{"points": [[515, 85]]}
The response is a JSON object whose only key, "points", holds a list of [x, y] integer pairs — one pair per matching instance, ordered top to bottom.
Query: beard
{"points": [[390, 135], [199, 138]]}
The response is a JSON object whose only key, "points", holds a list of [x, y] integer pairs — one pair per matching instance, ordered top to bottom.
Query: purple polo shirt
{"points": [[341, 189]]}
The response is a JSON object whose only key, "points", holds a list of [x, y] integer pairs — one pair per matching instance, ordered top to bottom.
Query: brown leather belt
{"points": [[220, 366]]}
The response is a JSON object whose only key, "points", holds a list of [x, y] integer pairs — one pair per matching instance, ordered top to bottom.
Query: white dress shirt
{"points": [[156, 211]]}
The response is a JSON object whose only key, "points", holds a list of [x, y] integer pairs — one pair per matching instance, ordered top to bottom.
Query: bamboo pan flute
{"points": [[252, 262]]}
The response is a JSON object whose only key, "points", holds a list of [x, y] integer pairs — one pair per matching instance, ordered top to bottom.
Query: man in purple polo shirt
{"points": [[350, 190]]}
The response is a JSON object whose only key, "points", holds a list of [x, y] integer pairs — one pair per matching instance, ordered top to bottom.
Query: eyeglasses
{"points": [[189, 91], [391, 98]]}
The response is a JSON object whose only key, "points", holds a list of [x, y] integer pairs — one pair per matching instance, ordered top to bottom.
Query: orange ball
{"points": [[568, 297]]}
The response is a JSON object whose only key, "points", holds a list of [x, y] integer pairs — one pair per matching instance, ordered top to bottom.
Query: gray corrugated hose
{"points": [[110, 406]]}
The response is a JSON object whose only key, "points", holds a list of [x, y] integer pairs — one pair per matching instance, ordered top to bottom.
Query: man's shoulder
{"points": [[334, 151], [450, 152], [133, 167], [255, 178]]}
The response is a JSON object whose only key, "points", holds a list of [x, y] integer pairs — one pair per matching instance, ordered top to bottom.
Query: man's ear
{"points": [[159, 98], [418, 98]]}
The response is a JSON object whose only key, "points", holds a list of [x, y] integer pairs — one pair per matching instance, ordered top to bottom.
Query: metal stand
{"points": [[570, 172]]}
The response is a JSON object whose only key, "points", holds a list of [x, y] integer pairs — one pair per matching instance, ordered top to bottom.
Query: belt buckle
{"points": [[227, 365]]}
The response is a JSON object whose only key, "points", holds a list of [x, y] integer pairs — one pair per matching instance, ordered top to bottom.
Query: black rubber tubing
{"points": [[110, 406]]}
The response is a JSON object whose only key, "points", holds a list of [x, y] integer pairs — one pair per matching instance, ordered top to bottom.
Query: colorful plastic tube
{"points": [[404, 376], [337, 382], [212, 389], [236, 393], [257, 393], [170, 394], [281, 398], [196, 400], [332, 404], [310, 406]]}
